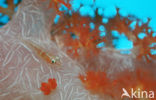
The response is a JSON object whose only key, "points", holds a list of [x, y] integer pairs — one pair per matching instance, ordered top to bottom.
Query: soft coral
{"points": [[56, 3], [10, 9], [119, 23], [86, 39], [144, 48], [97, 82]]}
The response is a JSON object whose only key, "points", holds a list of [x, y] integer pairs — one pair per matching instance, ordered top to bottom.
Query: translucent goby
{"points": [[40, 52]]}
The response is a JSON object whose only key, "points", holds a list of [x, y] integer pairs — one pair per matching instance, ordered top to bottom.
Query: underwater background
{"points": [[77, 49]]}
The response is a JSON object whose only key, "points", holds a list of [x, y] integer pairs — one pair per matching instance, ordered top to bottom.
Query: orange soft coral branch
{"points": [[62, 2], [56, 3], [11, 4], [10, 10], [119, 23], [122, 24], [143, 28], [86, 39], [74, 44], [144, 48], [147, 78], [97, 82], [47, 88]]}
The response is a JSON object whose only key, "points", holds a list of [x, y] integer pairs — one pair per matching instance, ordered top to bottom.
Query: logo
{"points": [[137, 93]]}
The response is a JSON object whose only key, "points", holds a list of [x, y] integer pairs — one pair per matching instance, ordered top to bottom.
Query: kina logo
{"points": [[137, 93]]}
